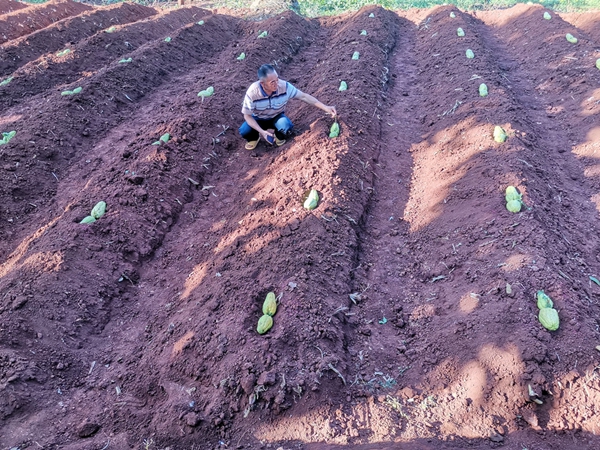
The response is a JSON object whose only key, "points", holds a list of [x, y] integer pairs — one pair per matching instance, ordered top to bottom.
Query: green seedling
{"points": [[371, 15], [452, 15], [547, 15], [201, 22], [111, 29], [460, 32], [363, 33], [263, 35], [168, 39], [572, 39], [64, 52], [470, 54], [355, 56], [241, 57], [125, 61], [597, 65], [9, 79], [343, 86], [483, 90], [73, 92], [206, 92], [335, 130], [499, 134], [7, 136], [163, 139], [512, 193], [312, 200], [513, 203], [514, 206], [97, 211], [88, 219], [543, 300], [548, 317]]}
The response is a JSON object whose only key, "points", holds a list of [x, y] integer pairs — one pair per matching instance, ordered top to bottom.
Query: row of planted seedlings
{"points": [[357, 43], [112, 44], [18, 52], [570, 73], [565, 87], [482, 110], [83, 116], [184, 177], [513, 196]]}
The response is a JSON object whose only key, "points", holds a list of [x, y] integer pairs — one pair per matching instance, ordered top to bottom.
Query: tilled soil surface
{"points": [[407, 315]]}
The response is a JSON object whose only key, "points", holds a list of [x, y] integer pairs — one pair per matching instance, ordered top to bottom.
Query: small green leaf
{"points": [[371, 15], [452, 15], [547, 15], [201, 22], [111, 29], [460, 32], [363, 33], [263, 35], [168, 39], [572, 39], [64, 52], [470, 54], [355, 56], [241, 57], [124, 61], [9, 79], [343, 86], [77, 90], [483, 90], [207, 92], [63, 93], [7, 136], [165, 137], [98, 210], [88, 219], [595, 280], [383, 321]]}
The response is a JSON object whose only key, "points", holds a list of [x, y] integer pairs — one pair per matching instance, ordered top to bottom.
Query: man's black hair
{"points": [[265, 70]]}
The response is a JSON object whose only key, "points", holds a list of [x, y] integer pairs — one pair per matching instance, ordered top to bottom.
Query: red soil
{"points": [[7, 6], [22, 22], [138, 331]]}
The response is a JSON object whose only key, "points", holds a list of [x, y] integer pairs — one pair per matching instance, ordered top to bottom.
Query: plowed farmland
{"points": [[407, 313]]}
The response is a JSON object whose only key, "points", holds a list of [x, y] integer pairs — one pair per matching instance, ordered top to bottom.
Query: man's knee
{"points": [[284, 125], [245, 130]]}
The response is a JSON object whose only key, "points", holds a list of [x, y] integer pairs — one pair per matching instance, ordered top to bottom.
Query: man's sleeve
{"points": [[292, 90], [247, 105]]}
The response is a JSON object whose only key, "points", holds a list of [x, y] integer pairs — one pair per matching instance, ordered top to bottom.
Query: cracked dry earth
{"points": [[407, 316]]}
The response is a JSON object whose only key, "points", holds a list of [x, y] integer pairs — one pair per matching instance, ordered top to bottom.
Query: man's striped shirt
{"points": [[262, 106]]}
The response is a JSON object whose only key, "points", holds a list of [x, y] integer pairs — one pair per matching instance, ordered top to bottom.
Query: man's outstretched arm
{"points": [[307, 98]]}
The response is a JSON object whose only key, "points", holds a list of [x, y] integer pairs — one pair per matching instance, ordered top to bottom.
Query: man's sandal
{"points": [[251, 145]]}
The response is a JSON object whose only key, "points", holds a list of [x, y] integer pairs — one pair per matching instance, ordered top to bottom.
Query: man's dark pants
{"points": [[281, 124]]}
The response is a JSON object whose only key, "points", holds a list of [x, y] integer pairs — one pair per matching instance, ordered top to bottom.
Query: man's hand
{"points": [[330, 110], [265, 134]]}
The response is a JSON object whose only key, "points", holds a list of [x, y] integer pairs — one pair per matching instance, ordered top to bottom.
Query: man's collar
{"points": [[263, 91]]}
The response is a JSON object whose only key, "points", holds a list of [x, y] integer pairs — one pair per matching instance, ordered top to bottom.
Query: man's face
{"points": [[269, 84]]}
